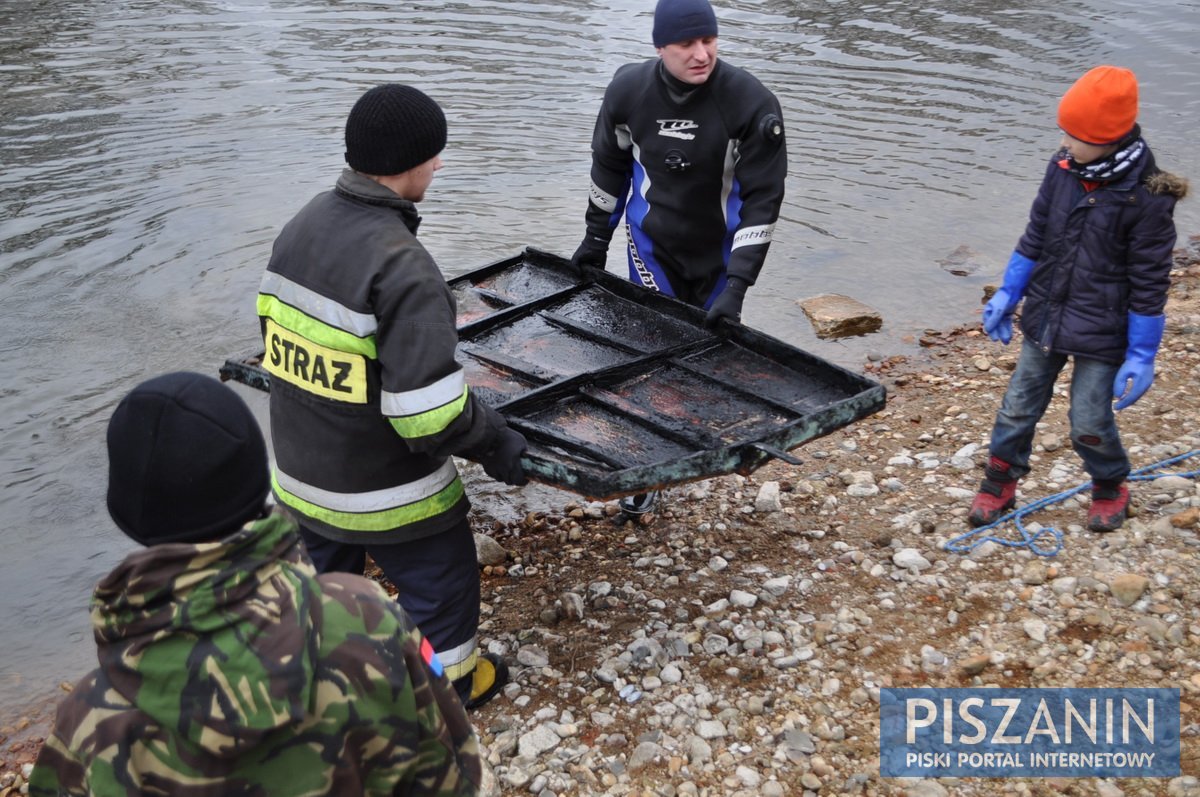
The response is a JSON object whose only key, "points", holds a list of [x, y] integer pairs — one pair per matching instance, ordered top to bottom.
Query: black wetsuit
{"points": [[706, 165]]}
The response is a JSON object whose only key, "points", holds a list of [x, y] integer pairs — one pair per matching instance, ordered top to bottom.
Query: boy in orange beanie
{"points": [[1093, 267]]}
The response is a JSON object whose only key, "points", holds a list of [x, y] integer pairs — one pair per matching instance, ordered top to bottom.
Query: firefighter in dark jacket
{"points": [[690, 150], [1093, 267], [367, 401]]}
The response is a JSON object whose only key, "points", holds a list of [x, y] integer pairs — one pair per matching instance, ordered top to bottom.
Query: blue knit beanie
{"points": [[680, 20]]}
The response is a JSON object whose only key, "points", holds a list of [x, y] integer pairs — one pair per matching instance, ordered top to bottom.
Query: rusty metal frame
{"points": [[807, 396]]}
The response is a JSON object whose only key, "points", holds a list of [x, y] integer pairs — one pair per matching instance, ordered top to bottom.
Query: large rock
{"points": [[835, 316]]}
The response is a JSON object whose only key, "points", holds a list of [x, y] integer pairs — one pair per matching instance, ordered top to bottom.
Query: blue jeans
{"points": [[1094, 434]]}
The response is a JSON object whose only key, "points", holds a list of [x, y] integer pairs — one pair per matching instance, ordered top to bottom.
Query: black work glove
{"points": [[591, 254], [728, 303], [503, 462]]}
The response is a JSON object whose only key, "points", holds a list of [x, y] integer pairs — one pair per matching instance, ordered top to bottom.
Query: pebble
{"points": [[768, 499], [1187, 519], [983, 550], [489, 552], [910, 558], [1034, 573], [1128, 587], [742, 599], [1035, 629], [532, 657], [973, 665], [537, 741], [1186, 786], [926, 788]]}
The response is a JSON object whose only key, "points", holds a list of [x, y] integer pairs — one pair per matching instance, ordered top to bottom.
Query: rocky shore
{"points": [[735, 642]]}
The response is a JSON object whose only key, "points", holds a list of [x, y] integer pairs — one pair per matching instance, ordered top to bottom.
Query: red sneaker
{"points": [[997, 494], [1110, 506]]}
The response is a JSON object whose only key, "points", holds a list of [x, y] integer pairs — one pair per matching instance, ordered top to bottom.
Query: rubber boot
{"points": [[997, 494], [1110, 506], [487, 679]]}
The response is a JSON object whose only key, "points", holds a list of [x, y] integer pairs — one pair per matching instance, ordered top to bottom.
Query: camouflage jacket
{"points": [[231, 668]]}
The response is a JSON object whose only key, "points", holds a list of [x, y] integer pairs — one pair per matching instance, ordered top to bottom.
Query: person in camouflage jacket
{"points": [[226, 664]]}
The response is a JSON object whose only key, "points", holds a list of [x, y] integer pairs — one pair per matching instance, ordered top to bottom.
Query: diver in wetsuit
{"points": [[691, 152]]}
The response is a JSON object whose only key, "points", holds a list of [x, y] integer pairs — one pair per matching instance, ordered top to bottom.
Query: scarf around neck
{"points": [[1111, 168]]}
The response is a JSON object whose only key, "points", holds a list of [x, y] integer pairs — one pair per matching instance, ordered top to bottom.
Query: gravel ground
{"points": [[735, 642]]}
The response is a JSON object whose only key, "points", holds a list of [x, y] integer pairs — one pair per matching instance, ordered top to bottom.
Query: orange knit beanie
{"points": [[1101, 108]]}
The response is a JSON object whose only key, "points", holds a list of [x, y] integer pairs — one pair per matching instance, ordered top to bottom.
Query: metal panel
{"points": [[620, 389]]}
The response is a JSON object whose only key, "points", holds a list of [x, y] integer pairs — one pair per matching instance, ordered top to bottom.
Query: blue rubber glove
{"points": [[997, 313], [1145, 335]]}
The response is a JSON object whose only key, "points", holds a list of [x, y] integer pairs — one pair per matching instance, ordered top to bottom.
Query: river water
{"points": [[152, 149]]}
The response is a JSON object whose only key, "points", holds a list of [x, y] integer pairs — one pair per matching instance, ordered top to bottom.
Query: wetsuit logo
{"points": [[677, 128], [639, 265]]}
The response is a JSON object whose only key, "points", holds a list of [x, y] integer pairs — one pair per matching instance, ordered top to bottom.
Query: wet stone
{"points": [[836, 316]]}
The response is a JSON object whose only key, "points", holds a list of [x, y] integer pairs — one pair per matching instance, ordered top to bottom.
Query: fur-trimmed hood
{"points": [[1167, 183]]}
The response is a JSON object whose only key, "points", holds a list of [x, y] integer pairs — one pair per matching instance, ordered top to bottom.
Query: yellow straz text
{"points": [[318, 369]]}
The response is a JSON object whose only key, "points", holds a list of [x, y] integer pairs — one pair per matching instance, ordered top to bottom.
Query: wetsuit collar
{"points": [[679, 91]]}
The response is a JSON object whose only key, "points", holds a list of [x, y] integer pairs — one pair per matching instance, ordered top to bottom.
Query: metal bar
{"points": [[575, 328], [512, 364], [250, 374], [740, 389], [648, 418], [541, 434], [775, 452]]}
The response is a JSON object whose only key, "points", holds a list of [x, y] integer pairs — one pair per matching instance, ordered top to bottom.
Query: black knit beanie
{"points": [[680, 20], [393, 128], [186, 461]]}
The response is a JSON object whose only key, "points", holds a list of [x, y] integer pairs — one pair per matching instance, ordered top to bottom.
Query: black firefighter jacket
{"points": [[367, 400]]}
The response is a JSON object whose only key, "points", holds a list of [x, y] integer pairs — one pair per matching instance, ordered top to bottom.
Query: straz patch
{"points": [[318, 369]]}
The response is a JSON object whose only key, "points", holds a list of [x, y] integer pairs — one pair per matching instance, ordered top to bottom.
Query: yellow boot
{"points": [[489, 677]]}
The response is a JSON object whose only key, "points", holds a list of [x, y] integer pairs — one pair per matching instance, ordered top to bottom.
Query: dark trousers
{"points": [[437, 579]]}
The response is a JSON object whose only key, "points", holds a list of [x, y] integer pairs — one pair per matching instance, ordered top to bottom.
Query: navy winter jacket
{"points": [[1100, 256]]}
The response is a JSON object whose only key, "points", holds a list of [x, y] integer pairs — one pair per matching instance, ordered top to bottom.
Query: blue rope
{"points": [[1032, 541]]}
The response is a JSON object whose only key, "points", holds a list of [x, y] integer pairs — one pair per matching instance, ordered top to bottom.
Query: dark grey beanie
{"points": [[393, 128], [186, 461]]}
